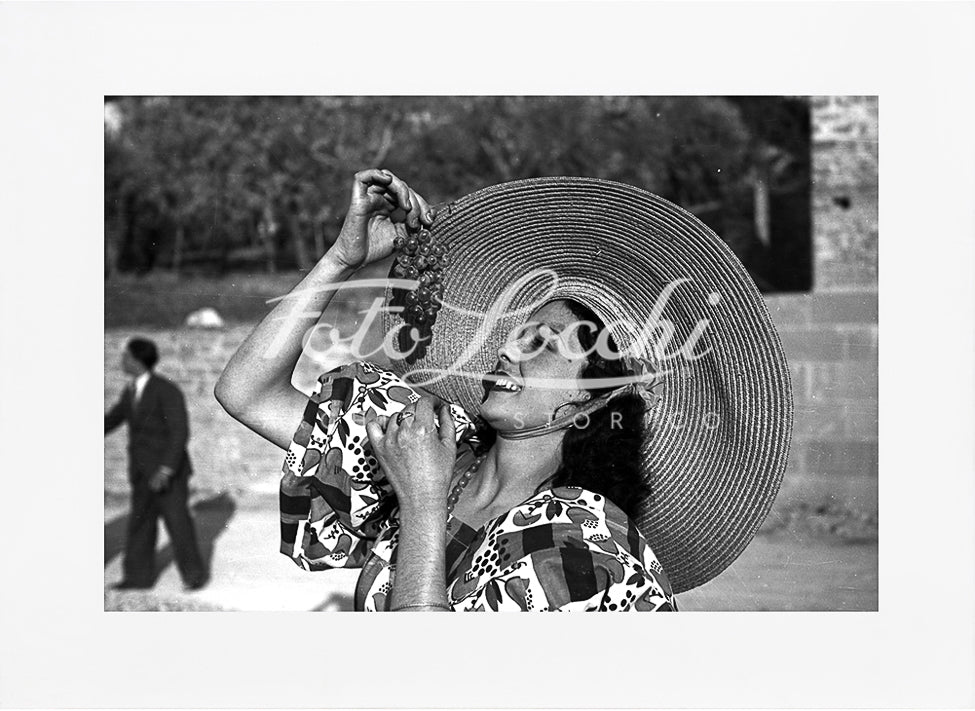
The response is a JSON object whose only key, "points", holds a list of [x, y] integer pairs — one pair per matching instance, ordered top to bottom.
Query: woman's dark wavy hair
{"points": [[604, 456]]}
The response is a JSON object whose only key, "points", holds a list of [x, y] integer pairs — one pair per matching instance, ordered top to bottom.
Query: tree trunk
{"points": [[385, 144], [760, 193], [267, 229], [319, 229], [115, 236], [112, 240], [178, 247], [301, 253]]}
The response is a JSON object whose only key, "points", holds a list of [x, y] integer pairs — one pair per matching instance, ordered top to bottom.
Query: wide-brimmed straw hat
{"points": [[717, 442]]}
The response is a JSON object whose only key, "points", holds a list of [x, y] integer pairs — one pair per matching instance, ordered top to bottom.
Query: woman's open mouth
{"points": [[500, 380]]}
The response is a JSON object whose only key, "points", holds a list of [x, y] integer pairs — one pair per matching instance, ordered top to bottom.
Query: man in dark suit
{"points": [[159, 470]]}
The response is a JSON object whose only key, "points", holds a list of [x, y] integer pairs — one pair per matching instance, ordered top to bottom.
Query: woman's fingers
{"points": [[373, 175], [365, 182], [381, 192], [402, 192], [397, 198], [389, 200], [400, 202], [379, 204], [410, 207], [420, 212], [424, 413], [413, 420], [446, 425], [376, 426], [392, 431], [376, 435]]}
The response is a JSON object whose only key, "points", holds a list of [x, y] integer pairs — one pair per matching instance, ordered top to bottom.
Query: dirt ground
{"points": [[780, 570], [780, 573]]}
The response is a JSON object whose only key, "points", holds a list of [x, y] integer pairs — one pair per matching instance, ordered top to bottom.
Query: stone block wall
{"points": [[830, 335], [226, 455]]}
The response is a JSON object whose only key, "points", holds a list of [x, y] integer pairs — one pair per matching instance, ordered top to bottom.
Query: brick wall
{"points": [[845, 193], [830, 334], [226, 456]]}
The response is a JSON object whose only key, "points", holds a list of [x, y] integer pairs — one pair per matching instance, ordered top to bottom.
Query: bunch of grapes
{"points": [[422, 257]]}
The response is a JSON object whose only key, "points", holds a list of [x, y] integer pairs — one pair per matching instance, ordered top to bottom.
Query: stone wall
{"points": [[845, 152], [831, 334], [226, 455]]}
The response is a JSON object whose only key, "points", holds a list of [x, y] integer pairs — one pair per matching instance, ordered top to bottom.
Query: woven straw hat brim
{"points": [[717, 444]]}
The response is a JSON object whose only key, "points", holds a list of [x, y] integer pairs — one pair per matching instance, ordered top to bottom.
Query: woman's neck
{"points": [[515, 468]]}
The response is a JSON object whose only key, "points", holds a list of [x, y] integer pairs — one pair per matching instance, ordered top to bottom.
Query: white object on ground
{"points": [[205, 318]]}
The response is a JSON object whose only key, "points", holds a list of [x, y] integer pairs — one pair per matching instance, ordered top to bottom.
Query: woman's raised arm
{"points": [[255, 386]]}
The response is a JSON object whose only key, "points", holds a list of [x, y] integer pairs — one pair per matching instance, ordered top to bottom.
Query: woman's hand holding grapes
{"points": [[382, 208]]}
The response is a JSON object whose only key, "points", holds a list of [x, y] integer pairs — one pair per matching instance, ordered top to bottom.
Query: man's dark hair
{"points": [[144, 351]]}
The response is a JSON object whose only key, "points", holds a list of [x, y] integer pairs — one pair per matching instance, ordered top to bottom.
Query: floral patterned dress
{"points": [[562, 549]]}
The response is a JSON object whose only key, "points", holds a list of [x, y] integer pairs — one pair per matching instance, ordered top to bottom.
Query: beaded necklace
{"points": [[462, 484]]}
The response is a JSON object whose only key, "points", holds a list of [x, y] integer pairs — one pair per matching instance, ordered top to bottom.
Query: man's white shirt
{"points": [[140, 386]]}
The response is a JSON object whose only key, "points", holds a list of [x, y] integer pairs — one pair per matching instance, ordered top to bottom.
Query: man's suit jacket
{"points": [[158, 427]]}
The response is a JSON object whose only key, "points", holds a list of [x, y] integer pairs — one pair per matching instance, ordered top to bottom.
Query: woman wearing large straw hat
{"points": [[587, 407]]}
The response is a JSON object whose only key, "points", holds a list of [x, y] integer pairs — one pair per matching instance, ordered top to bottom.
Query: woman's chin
{"points": [[489, 412], [497, 413], [505, 416]]}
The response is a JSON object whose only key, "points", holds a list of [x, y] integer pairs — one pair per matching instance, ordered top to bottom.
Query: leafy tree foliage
{"points": [[223, 182]]}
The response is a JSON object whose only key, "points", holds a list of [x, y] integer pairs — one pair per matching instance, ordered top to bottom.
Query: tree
{"points": [[216, 180]]}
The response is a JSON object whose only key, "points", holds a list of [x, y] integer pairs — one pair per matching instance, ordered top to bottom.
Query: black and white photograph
{"points": [[702, 268], [430, 307]]}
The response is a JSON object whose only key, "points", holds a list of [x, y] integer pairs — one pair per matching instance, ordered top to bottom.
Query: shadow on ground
{"points": [[210, 516], [814, 561], [335, 602]]}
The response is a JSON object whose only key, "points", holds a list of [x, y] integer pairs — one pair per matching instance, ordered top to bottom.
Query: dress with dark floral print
{"points": [[562, 549]]}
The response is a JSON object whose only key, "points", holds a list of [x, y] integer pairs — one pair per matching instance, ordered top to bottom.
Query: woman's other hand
{"points": [[382, 208], [416, 454]]}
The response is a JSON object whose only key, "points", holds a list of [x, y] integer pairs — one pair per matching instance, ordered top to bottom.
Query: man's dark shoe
{"points": [[198, 584], [131, 585]]}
